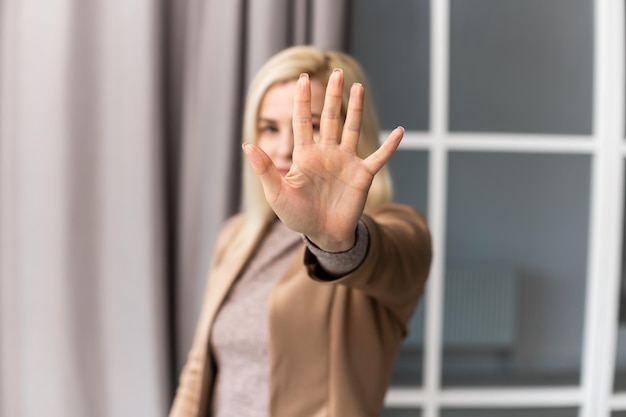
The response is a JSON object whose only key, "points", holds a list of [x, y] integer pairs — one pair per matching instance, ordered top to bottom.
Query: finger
{"points": [[301, 119], [330, 123], [352, 127], [375, 161], [263, 166]]}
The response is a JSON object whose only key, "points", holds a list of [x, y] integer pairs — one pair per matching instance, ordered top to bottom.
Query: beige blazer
{"points": [[332, 343]]}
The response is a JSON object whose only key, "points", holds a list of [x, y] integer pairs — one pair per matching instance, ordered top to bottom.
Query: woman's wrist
{"points": [[332, 244], [342, 263]]}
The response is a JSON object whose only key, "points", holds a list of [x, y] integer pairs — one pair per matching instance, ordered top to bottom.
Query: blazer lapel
{"points": [[224, 275], [221, 277]]}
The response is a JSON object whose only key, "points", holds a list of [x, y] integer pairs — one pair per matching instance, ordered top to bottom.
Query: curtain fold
{"points": [[119, 160], [209, 161], [81, 227]]}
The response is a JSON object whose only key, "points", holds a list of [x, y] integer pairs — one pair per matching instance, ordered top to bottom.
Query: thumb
{"points": [[263, 166]]}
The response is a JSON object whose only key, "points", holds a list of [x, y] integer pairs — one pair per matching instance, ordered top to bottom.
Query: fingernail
{"points": [[304, 75], [337, 77]]}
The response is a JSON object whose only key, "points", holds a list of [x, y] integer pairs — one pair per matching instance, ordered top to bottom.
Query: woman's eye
{"points": [[268, 129]]}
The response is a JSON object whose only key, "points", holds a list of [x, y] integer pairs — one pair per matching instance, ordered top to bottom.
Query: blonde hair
{"points": [[286, 66]]}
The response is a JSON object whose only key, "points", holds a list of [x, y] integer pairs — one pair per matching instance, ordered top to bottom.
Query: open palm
{"points": [[323, 194]]}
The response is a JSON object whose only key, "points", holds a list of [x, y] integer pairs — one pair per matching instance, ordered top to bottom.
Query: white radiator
{"points": [[480, 310]]}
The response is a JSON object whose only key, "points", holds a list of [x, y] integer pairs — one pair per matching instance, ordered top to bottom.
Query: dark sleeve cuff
{"points": [[338, 264]]}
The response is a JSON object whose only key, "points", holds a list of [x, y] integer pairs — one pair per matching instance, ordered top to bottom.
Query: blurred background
{"points": [[119, 160]]}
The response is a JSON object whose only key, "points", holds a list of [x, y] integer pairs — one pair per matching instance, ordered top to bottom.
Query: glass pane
{"points": [[391, 39], [521, 66], [409, 171], [517, 236], [620, 359], [401, 412], [511, 412], [618, 414]]}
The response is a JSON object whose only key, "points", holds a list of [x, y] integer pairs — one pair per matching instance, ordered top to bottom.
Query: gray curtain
{"points": [[119, 160], [81, 210]]}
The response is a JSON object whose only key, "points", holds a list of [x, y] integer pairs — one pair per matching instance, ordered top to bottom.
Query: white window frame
{"points": [[594, 397]]}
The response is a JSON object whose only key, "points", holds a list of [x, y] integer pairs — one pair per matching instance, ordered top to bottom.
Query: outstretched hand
{"points": [[323, 194]]}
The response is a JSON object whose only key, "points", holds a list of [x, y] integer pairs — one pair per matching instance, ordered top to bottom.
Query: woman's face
{"points": [[274, 130]]}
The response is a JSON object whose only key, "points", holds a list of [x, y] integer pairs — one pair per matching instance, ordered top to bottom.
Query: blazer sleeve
{"points": [[397, 263]]}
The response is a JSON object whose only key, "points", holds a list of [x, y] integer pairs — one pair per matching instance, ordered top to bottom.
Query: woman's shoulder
{"points": [[398, 212], [233, 223], [402, 224], [233, 227], [230, 231], [237, 232]]}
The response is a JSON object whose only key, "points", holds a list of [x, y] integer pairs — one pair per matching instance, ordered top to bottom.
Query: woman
{"points": [[313, 284]]}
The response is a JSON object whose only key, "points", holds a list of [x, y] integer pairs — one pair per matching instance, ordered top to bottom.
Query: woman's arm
{"points": [[397, 263]]}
